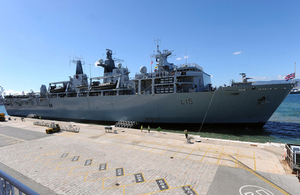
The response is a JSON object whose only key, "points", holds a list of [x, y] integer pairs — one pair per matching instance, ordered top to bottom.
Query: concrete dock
{"points": [[135, 162]]}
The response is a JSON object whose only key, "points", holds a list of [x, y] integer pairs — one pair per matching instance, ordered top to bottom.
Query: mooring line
{"points": [[207, 111]]}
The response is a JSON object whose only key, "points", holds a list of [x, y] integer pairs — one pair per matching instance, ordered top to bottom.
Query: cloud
{"points": [[236, 53], [185, 57], [179, 59], [280, 77]]}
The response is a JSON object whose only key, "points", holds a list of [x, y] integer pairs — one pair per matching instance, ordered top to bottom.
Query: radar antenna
{"points": [[157, 43], [75, 59], [118, 60], [79, 62], [244, 78]]}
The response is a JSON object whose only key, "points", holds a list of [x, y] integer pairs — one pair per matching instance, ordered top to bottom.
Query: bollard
{"points": [[212, 136], [220, 137], [229, 137], [238, 139], [248, 139], [258, 140], [269, 142], [279, 143]]}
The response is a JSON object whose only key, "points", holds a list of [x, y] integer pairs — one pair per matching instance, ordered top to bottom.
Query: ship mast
{"points": [[157, 44], [162, 60], [295, 73]]}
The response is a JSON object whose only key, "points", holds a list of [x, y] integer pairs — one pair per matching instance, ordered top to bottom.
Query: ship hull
{"points": [[250, 105]]}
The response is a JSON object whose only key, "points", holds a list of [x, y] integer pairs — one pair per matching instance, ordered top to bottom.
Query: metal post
{"points": [[174, 85], [139, 87], [152, 88], [8, 183]]}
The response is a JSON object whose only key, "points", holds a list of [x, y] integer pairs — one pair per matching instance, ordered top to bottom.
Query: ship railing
{"points": [[190, 65], [164, 74], [154, 75], [105, 77], [59, 82], [87, 93], [10, 186]]}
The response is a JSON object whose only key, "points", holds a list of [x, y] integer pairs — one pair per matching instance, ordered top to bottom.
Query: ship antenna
{"points": [[157, 45], [185, 56], [69, 60], [90, 70]]}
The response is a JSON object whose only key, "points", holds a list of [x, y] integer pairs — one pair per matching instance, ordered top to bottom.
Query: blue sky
{"points": [[226, 38]]}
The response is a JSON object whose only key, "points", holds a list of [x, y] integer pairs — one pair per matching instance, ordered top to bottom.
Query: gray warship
{"points": [[172, 94]]}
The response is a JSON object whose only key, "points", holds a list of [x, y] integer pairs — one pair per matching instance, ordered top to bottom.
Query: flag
{"points": [[151, 63], [290, 76], [287, 77]]}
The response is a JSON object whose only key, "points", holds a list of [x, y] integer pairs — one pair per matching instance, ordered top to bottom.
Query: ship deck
{"points": [[137, 162]]}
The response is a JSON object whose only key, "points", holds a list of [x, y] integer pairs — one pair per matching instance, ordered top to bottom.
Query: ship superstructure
{"points": [[172, 94], [1, 95]]}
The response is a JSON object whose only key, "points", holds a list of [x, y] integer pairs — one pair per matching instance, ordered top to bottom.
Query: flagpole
{"points": [[151, 66], [295, 72]]}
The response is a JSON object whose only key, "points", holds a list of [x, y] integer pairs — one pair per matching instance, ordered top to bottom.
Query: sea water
{"points": [[283, 126]]}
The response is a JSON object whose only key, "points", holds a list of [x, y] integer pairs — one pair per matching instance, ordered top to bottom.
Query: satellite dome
{"points": [[100, 61], [119, 65], [143, 69]]}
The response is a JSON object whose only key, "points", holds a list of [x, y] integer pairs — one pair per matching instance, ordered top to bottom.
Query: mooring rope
{"points": [[206, 111]]}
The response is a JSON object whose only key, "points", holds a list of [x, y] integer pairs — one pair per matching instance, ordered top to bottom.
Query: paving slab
{"points": [[134, 162]]}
